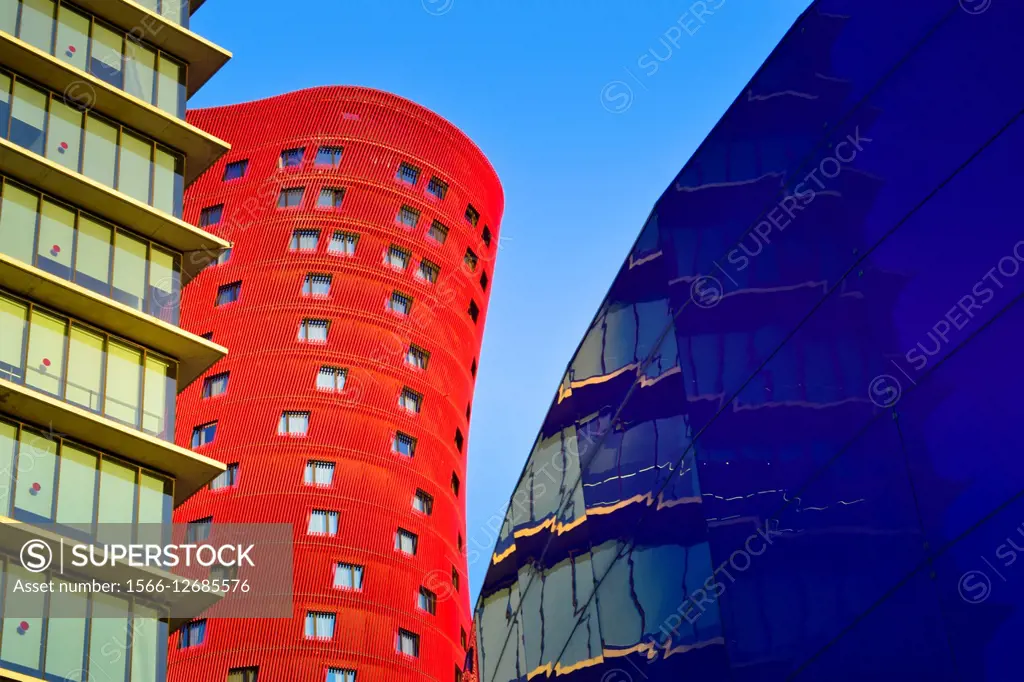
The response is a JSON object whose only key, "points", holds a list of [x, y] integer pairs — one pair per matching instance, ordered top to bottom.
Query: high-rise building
{"points": [[95, 154], [364, 231], [787, 447]]}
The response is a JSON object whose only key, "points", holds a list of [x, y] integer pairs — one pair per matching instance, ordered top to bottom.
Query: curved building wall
{"points": [[351, 418], [788, 446]]}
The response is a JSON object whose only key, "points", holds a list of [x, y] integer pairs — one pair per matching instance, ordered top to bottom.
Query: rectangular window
{"points": [[37, 23], [105, 51], [28, 117], [329, 156], [292, 157], [100, 161], [135, 167], [235, 170], [408, 174], [437, 187], [291, 197], [331, 197], [211, 215], [472, 215], [407, 216], [437, 232], [486, 236], [304, 240], [343, 243], [223, 257], [396, 257], [470, 260], [427, 271], [483, 281], [316, 284], [228, 293], [400, 303], [474, 311], [313, 330], [417, 357], [331, 378], [216, 384], [410, 400], [293, 423], [203, 434], [459, 440], [404, 444], [319, 473], [228, 479], [455, 484], [423, 503], [323, 522], [199, 530], [405, 541], [348, 577], [455, 579], [427, 601], [319, 625], [192, 634], [408, 643], [243, 674], [341, 675]]}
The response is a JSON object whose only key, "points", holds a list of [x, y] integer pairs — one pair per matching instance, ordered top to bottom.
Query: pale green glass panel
{"points": [[172, 9], [9, 16], [37, 23], [72, 39], [106, 57], [140, 71], [170, 86], [28, 117], [64, 141], [100, 151], [136, 168], [167, 183], [19, 215], [56, 239], [92, 257], [129, 269], [164, 285], [13, 324], [45, 367], [85, 368], [124, 383], [158, 399], [8, 445], [36, 475], [76, 490], [117, 492], [154, 508], [109, 625], [65, 636], [146, 645], [22, 648]]}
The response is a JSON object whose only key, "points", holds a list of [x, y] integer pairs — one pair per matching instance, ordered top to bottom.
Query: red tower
{"points": [[364, 231]]}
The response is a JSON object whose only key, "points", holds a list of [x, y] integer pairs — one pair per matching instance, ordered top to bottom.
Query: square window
{"points": [[329, 156], [292, 157], [235, 170], [407, 173], [437, 187], [291, 197], [331, 197], [211, 215], [472, 215], [407, 216], [437, 232], [487, 236], [304, 240], [343, 243], [223, 257], [396, 257], [470, 260], [427, 271], [483, 281], [316, 284], [228, 293], [400, 303], [474, 311], [314, 331], [417, 357], [331, 378], [215, 385], [410, 400], [293, 423], [203, 434], [459, 440], [404, 444], [319, 473], [228, 479], [455, 484], [423, 503], [322, 522], [199, 530], [405, 541], [348, 577], [427, 601], [319, 625], [192, 634], [408, 643], [243, 674], [341, 675]]}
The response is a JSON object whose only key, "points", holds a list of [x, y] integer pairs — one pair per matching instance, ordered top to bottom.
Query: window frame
{"points": [[243, 163]]}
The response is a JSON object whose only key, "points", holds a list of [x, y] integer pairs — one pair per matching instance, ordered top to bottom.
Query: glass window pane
{"points": [[172, 9], [9, 17], [37, 23], [72, 37], [107, 54], [140, 71], [171, 87], [5, 103], [28, 120], [64, 142], [100, 151], [136, 168], [168, 182], [18, 217], [56, 240], [92, 255], [129, 269], [164, 285], [13, 329], [46, 352], [85, 368], [124, 382], [158, 404], [8, 444], [36, 476], [76, 492], [117, 500], [155, 506], [109, 625], [65, 636], [149, 646], [22, 647]]}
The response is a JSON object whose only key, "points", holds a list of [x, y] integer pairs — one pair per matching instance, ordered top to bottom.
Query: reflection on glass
{"points": [[9, 17], [37, 23], [72, 38], [105, 58], [140, 71], [170, 93], [28, 118], [64, 141], [101, 141], [134, 170], [18, 223], [56, 240], [92, 255], [129, 270], [46, 352], [85, 368], [124, 383], [159, 397], [36, 475]]}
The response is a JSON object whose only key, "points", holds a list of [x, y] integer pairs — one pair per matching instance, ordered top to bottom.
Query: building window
{"points": [[329, 156], [292, 157], [235, 170], [408, 174], [437, 187], [290, 197], [331, 197], [211, 215], [472, 215], [407, 216], [437, 232], [487, 236], [304, 240], [343, 243], [223, 257], [396, 257], [470, 260], [427, 271], [483, 281], [316, 284], [228, 293], [400, 303], [474, 311], [313, 330], [208, 336], [417, 357], [472, 368], [331, 378], [216, 384], [410, 400], [469, 407], [293, 423], [203, 434], [459, 439], [404, 444], [319, 473], [227, 479], [455, 484], [423, 502], [322, 522], [198, 530], [405, 541], [459, 543], [348, 577], [455, 579], [427, 601], [319, 625], [192, 634], [462, 638], [408, 643], [458, 673], [243, 674], [341, 675]]}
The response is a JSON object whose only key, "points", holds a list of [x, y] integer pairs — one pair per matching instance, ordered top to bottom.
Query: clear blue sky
{"points": [[541, 87]]}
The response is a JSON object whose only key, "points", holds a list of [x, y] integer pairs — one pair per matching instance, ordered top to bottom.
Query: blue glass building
{"points": [[788, 447]]}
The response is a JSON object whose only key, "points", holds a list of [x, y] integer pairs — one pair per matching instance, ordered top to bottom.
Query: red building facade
{"points": [[353, 302]]}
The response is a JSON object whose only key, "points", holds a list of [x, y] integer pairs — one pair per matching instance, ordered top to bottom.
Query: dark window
{"points": [[329, 156], [292, 157], [235, 170], [407, 173], [437, 187], [290, 197], [331, 197], [211, 215], [472, 215], [407, 216], [437, 232], [487, 236], [304, 240], [223, 257], [397, 257], [470, 260], [427, 271], [483, 281], [228, 293], [400, 303], [474, 311], [208, 336], [417, 357], [472, 368], [216, 384], [410, 400], [469, 407], [203, 434], [459, 440], [404, 444], [228, 479], [455, 484], [423, 503], [199, 530], [405, 541], [459, 543], [455, 579], [427, 601], [192, 634], [462, 638], [408, 643], [243, 674], [458, 674]]}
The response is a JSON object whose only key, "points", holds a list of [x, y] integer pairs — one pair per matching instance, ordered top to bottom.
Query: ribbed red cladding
{"points": [[272, 371]]}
